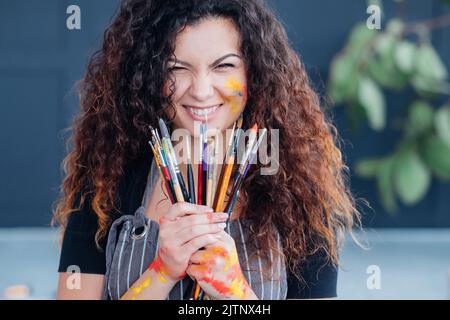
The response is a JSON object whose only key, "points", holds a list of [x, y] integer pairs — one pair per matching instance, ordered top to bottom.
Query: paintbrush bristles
{"points": [[240, 121], [163, 128], [230, 144]]}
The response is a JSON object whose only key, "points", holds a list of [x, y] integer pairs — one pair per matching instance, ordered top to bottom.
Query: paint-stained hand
{"points": [[184, 229], [217, 270]]}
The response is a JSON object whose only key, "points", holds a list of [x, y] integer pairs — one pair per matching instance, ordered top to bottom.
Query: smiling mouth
{"points": [[201, 112]]}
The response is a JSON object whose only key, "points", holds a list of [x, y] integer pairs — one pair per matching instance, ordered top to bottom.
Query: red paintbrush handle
{"points": [[199, 185]]}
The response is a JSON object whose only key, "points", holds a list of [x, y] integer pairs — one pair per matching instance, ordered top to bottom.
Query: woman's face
{"points": [[209, 74]]}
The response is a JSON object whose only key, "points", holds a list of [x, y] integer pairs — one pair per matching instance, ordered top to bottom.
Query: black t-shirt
{"points": [[79, 248]]}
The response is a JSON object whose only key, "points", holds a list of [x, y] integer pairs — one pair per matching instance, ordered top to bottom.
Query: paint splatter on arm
{"points": [[219, 273], [154, 283]]}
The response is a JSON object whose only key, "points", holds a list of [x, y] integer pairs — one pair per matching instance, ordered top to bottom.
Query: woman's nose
{"points": [[202, 88]]}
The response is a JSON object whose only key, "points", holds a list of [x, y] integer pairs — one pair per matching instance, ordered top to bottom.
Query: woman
{"points": [[175, 59]]}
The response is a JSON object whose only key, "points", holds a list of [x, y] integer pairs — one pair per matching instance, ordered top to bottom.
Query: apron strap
{"points": [[152, 179]]}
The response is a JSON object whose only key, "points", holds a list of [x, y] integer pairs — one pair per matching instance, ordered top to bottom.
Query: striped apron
{"points": [[133, 243]]}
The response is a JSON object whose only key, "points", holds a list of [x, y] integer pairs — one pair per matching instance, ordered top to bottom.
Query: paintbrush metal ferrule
{"points": [[163, 128], [229, 144], [250, 145], [252, 154], [190, 174], [176, 184]]}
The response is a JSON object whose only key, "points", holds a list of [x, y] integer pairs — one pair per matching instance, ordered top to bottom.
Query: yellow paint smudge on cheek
{"points": [[234, 85], [238, 93]]}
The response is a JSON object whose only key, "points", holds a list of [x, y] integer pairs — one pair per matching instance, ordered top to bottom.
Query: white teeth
{"points": [[202, 112]]}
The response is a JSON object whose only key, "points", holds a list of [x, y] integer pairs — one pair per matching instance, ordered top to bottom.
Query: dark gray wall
{"points": [[40, 61]]}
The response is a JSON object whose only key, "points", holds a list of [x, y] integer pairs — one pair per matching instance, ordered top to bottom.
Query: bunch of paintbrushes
{"points": [[167, 164], [210, 191]]}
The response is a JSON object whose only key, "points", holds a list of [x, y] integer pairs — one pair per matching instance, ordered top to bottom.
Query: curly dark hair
{"points": [[307, 200]]}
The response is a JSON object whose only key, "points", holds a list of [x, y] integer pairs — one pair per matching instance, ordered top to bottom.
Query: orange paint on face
{"points": [[238, 94]]}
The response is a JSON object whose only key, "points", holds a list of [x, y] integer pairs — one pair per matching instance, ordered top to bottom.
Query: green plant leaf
{"points": [[395, 27], [360, 37], [385, 44], [404, 56], [429, 65], [383, 67], [343, 78], [427, 88], [372, 99], [420, 118], [442, 122], [436, 154], [367, 168], [412, 178], [385, 184]]}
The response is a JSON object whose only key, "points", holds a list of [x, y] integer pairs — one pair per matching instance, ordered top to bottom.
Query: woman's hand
{"points": [[184, 230], [217, 270]]}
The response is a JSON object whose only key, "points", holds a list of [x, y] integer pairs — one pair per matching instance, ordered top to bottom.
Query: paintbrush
{"points": [[168, 148], [247, 151], [227, 163], [162, 164], [205, 165], [211, 166], [215, 166], [229, 167], [200, 168], [166, 171], [242, 172], [190, 174], [161, 175], [174, 175], [203, 185]]}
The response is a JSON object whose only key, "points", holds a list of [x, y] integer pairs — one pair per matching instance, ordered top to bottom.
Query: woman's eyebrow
{"points": [[224, 57], [187, 64]]}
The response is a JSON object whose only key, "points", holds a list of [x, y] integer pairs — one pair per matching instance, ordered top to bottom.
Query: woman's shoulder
{"points": [[130, 190], [79, 246], [315, 278]]}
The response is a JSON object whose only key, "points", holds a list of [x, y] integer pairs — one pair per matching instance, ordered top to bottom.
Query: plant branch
{"points": [[431, 24]]}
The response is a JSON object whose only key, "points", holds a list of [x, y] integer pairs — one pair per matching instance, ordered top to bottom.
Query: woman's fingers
{"points": [[180, 209], [197, 219], [190, 232], [199, 242], [198, 257], [196, 271]]}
